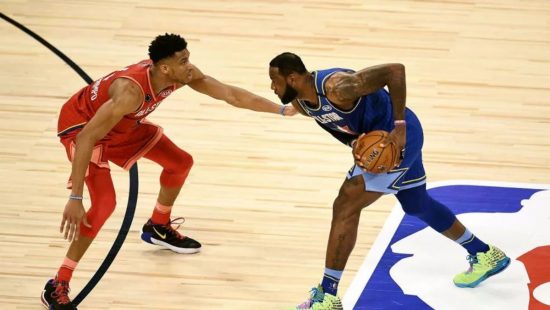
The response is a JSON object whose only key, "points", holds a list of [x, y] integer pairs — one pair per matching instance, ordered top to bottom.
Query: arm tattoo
{"points": [[344, 86]]}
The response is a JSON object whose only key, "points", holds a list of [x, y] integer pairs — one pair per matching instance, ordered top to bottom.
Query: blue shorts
{"points": [[411, 171]]}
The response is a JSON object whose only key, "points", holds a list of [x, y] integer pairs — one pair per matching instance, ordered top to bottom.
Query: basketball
{"points": [[374, 158]]}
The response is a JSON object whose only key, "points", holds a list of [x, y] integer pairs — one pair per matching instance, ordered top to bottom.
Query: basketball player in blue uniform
{"points": [[347, 104]]}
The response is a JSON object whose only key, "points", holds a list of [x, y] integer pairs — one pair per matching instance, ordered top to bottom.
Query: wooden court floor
{"points": [[259, 196]]}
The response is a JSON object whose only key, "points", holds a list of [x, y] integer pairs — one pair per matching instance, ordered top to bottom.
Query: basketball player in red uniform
{"points": [[104, 122]]}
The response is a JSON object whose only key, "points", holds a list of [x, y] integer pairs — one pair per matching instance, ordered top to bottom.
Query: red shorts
{"points": [[121, 149]]}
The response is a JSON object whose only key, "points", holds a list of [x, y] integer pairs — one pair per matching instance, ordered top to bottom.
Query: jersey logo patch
{"points": [[165, 93], [327, 108]]}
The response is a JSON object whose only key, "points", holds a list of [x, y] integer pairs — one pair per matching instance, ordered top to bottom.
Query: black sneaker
{"points": [[168, 237], [55, 296]]}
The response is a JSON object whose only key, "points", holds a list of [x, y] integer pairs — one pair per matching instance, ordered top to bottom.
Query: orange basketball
{"points": [[374, 158]]}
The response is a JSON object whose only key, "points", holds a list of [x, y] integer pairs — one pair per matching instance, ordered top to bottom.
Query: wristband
{"points": [[282, 110], [400, 122], [75, 197]]}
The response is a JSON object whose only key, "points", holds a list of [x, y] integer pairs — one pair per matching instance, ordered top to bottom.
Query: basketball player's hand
{"points": [[289, 110], [398, 136], [355, 153], [72, 216]]}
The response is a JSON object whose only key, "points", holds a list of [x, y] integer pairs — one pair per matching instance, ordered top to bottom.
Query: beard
{"points": [[289, 95]]}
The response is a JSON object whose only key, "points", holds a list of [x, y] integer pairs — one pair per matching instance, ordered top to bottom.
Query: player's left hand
{"points": [[289, 110], [398, 136]]}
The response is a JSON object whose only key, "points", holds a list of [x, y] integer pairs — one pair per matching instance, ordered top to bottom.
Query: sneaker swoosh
{"points": [[159, 234]]}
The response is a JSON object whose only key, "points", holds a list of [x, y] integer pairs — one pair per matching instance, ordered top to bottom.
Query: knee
{"points": [[184, 162], [175, 175], [413, 201], [106, 205], [345, 206], [103, 207], [412, 207], [101, 210]]}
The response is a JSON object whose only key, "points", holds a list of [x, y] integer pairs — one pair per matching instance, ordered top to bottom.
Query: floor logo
{"points": [[411, 266]]}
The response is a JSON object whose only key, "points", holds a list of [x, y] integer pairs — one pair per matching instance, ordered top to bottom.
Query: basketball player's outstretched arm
{"points": [[236, 96], [126, 97]]}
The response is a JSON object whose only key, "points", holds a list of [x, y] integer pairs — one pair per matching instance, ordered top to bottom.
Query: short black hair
{"points": [[166, 45], [288, 63]]}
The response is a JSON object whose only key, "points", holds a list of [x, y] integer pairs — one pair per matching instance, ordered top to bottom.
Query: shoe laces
{"points": [[174, 231], [493, 256], [472, 260], [61, 293], [315, 295]]}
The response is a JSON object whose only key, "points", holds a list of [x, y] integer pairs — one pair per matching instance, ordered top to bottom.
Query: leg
{"points": [[176, 165], [352, 198], [103, 201], [417, 202], [346, 210], [455, 231], [485, 260]]}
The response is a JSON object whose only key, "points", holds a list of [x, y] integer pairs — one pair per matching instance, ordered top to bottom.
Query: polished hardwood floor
{"points": [[259, 196]]}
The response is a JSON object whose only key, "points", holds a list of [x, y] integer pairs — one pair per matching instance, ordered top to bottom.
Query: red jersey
{"points": [[76, 112]]}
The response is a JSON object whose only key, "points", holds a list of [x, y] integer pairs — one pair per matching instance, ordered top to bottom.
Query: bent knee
{"points": [[185, 161], [105, 207], [98, 214]]}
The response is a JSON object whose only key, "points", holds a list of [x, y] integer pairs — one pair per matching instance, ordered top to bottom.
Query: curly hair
{"points": [[164, 46]]}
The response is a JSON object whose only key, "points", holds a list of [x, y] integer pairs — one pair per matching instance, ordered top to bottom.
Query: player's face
{"points": [[181, 68], [280, 86]]}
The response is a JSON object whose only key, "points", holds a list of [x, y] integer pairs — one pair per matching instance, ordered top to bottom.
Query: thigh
{"points": [[125, 149], [167, 154], [100, 186], [353, 197]]}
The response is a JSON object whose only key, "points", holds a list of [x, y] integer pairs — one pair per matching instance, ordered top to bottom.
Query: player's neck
{"points": [[158, 81], [307, 92]]}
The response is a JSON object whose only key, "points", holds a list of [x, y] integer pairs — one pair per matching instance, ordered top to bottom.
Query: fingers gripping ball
{"points": [[374, 158]]}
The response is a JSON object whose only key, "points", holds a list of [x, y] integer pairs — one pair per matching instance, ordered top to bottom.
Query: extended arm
{"points": [[235, 96]]}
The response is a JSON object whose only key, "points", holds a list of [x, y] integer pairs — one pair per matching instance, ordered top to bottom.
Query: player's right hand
{"points": [[357, 153], [72, 216]]}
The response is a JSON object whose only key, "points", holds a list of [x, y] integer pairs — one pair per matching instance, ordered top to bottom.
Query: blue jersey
{"points": [[371, 112]]}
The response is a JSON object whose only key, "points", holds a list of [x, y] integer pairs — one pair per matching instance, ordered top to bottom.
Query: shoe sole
{"points": [[147, 237], [174, 248], [503, 264], [43, 300]]}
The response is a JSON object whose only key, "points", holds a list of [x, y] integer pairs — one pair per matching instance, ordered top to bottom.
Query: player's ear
{"points": [[164, 68], [291, 79]]}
